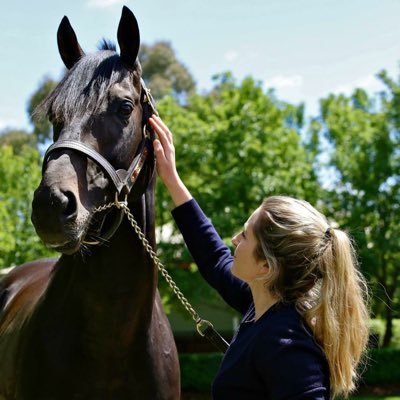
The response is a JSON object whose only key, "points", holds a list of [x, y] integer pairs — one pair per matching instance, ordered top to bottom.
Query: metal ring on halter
{"points": [[148, 99], [145, 133], [118, 203]]}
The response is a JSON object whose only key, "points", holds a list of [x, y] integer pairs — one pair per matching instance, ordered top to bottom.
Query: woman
{"points": [[296, 282]]}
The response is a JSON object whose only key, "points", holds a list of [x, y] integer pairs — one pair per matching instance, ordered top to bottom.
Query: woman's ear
{"points": [[265, 266], [263, 270]]}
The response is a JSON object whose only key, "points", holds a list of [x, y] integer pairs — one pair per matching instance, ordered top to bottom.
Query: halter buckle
{"points": [[148, 98]]}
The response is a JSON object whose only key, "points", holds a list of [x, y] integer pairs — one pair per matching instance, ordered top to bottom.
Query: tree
{"points": [[164, 73], [362, 133], [17, 139], [235, 146], [20, 174]]}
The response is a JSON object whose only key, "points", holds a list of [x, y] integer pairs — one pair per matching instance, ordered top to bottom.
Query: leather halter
{"points": [[122, 179]]}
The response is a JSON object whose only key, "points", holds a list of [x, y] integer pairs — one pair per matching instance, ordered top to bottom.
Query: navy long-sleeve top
{"points": [[274, 357]]}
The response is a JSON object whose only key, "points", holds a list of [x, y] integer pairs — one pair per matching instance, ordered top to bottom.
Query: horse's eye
{"points": [[126, 109]]}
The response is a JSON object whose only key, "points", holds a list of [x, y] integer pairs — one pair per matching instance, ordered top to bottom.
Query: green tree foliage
{"points": [[163, 72], [361, 134], [17, 139], [235, 146], [20, 174]]}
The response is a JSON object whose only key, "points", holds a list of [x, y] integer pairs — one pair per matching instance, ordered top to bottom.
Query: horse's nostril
{"points": [[69, 205]]}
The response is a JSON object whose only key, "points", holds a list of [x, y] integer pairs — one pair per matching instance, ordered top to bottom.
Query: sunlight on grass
{"points": [[376, 398]]}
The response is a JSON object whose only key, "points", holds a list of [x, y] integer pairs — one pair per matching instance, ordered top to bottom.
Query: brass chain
{"points": [[200, 323]]}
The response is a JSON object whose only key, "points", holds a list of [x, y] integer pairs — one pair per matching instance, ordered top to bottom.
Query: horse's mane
{"points": [[82, 88]]}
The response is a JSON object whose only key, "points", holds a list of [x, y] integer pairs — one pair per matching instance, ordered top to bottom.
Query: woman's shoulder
{"points": [[280, 316], [282, 329]]}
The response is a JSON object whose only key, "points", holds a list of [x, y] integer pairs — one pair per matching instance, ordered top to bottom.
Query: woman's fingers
{"points": [[160, 128], [164, 128], [162, 136], [158, 149]]}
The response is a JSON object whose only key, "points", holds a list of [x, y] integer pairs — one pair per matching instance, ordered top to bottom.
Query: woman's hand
{"points": [[164, 151]]}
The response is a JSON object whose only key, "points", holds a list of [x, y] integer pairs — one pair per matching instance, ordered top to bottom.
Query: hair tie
{"points": [[328, 233]]}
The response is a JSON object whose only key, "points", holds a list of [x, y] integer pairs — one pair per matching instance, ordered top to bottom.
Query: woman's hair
{"points": [[315, 266]]}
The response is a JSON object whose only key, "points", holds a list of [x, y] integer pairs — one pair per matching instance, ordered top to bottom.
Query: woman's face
{"points": [[245, 265]]}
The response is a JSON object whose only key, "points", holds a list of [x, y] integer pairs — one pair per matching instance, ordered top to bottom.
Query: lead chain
{"points": [[123, 205]]}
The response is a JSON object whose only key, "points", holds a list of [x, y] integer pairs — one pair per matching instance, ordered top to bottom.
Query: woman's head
{"points": [[291, 236], [315, 266]]}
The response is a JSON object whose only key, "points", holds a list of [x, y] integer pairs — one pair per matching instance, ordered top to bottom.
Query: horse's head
{"points": [[97, 116]]}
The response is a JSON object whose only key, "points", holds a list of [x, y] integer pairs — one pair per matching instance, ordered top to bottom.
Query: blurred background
{"points": [[264, 97]]}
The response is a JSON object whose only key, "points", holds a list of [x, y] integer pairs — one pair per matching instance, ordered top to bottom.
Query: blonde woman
{"points": [[296, 282]]}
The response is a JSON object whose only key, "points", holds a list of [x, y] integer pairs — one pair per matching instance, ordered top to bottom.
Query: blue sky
{"points": [[303, 48]]}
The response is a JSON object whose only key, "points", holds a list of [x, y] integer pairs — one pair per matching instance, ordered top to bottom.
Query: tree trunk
{"points": [[389, 319]]}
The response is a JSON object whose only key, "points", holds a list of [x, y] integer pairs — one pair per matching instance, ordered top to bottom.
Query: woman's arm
{"points": [[210, 253], [212, 256]]}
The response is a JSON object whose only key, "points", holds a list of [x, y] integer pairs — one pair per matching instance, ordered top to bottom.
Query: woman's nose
{"points": [[235, 241]]}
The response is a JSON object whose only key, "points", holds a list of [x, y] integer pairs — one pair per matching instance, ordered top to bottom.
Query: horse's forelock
{"points": [[83, 87]]}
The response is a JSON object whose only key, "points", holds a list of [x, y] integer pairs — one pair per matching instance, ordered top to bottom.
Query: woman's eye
{"points": [[126, 109]]}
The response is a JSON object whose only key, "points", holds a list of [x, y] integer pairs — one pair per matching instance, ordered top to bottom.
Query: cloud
{"points": [[103, 3], [231, 55], [282, 81], [369, 83]]}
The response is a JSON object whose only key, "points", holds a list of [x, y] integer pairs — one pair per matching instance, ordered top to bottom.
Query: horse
{"points": [[90, 325]]}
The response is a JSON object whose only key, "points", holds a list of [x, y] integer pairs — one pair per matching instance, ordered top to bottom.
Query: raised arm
{"points": [[210, 253]]}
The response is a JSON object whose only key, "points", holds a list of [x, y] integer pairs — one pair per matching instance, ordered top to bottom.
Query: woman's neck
{"points": [[262, 298]]}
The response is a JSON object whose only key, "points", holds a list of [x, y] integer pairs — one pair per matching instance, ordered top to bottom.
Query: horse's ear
{"points": [[128, 37], [68, 46]]}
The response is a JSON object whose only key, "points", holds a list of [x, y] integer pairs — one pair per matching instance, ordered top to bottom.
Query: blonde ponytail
{"points": [[316, 267], [340, 316]]}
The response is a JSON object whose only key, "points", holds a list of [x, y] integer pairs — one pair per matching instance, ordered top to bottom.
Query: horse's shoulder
{"points": [[22, 287], [20, 291]]}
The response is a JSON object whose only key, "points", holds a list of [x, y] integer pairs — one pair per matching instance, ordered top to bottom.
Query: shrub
{"points": [[383, 367], [198, 370]]}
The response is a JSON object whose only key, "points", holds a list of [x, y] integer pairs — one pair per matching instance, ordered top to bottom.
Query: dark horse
{"points": [[90, 325]]}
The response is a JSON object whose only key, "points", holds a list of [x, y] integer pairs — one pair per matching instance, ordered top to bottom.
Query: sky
{"points": [[305, 49]]}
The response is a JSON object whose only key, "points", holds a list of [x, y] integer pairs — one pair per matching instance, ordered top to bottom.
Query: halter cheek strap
{"points": [[122, 179]]}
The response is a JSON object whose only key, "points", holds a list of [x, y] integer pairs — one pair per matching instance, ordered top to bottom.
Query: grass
{"points": [[204, 396], [376, 398]]}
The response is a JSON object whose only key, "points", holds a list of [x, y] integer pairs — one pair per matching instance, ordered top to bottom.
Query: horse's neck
{"points": [[118, 278]]}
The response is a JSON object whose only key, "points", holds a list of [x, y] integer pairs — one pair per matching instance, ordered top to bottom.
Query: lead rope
{"points": [[204, 328]]}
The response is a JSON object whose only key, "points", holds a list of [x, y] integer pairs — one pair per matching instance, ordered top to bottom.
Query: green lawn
{"points": [[376, 398]]}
